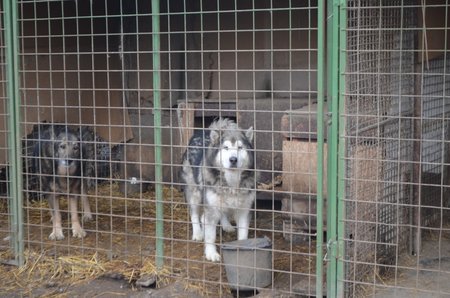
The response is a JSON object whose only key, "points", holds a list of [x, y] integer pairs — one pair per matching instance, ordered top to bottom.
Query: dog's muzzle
{"points": [[233, 161], [65, 162]]}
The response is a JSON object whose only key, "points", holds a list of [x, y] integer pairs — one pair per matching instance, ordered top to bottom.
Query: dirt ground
{"points": [[119, 251], [426, 275], [105, 287]]}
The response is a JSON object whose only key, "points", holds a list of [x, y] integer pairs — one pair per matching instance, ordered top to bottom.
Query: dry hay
{"points": [[120, 244], [42, 270]]}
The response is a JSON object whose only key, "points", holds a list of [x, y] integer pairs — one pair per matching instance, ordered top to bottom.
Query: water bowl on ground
{"points": [[248, 263]]}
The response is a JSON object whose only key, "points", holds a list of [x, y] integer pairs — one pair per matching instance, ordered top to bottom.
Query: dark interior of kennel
{"points": [[107, 42]]}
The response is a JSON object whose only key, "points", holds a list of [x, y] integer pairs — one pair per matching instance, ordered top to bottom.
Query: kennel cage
{"points": [[116, 66], [142, 76], [394, 109]]}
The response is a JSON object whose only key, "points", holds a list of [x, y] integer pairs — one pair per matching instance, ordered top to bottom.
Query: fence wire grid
{"points": [[87, 70], [87, 73], [396, 134]]}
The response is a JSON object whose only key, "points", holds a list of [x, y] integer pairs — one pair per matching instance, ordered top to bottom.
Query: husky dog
{"points": [[58, 161], [218, 173]]}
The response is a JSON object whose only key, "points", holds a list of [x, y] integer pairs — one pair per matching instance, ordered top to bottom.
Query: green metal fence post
{"points": [[13, 107], [157, 136], [320, 140], [334, 252], [340, 273]]}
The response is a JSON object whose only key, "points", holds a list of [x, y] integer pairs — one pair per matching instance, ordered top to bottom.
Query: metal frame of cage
{"points": [[40, 72]]}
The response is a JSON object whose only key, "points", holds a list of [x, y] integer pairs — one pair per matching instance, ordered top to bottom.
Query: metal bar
{"points": [[333, 91], [157, 134], [320, 139], [15, 161], [417, 166], [340, 273]]}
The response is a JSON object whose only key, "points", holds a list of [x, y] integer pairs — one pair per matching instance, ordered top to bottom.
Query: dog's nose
{"points": [[233, 160], [66, 162]]}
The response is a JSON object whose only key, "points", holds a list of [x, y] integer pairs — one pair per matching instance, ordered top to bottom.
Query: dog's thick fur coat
{"points": [[59, 163], [218, 175]]}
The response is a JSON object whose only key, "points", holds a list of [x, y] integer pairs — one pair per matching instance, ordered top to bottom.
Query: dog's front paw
{"points": [[226, 225], [228, 228], [78, 232], [57, 234], [212, 255]]}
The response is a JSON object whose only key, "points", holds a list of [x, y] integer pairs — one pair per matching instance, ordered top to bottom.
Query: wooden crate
{"points": [[299, 149], [300, 167]]}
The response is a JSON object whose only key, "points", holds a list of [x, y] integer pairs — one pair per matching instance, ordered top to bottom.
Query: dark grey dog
{"points": [[59, 162]]}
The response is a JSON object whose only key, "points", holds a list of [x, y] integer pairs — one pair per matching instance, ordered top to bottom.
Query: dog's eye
{"points": [[62, 146], [225, 147], [240, 147]]}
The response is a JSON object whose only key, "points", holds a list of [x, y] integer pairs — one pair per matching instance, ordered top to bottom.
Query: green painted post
{"points": [[336, 57], [157, 136], [320, 140], [14, 142], [333, 145], [340, 272]]}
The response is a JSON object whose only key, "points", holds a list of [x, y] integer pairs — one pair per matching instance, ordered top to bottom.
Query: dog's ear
{"points": [[249, 134], [214, 136]]}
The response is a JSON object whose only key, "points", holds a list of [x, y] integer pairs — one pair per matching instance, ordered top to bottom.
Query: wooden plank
{"points": [[186, 118], [300, 167]]}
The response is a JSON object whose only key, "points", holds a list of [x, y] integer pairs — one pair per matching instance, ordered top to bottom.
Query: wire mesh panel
{"points": [[255, 63], [435, 111], [88, 114], [396, 146]]}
